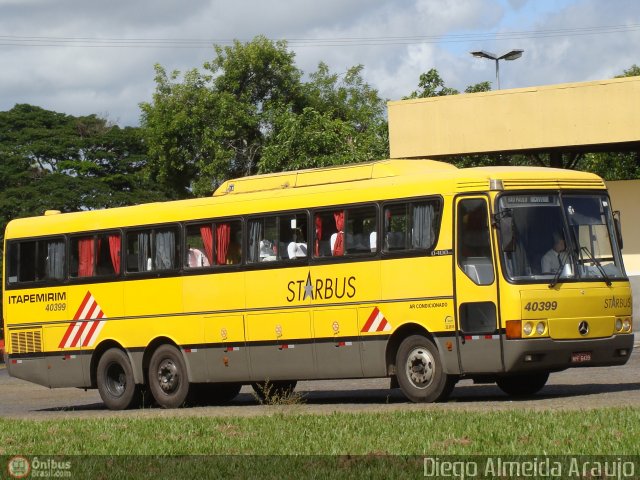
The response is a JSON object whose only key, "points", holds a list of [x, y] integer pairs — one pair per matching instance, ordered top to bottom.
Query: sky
{"points": [[82, 57]]}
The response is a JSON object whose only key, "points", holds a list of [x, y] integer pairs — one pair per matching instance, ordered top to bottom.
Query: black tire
{"points": [[419, 371], [168, 380], [116, 385], [523, 385], [276, 389], [214, 393]]}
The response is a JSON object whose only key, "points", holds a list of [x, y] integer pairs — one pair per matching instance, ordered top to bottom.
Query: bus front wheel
{"points": [[419, 371], [168, 380], [524, 384], [116, 385]]}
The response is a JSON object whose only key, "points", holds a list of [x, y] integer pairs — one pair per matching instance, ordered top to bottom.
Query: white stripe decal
{"points": [[87, 307], [376, 322], [74, 332], [96, 333]]}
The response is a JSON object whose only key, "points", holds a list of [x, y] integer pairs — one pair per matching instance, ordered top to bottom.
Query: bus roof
{"points": [[310, 188]]}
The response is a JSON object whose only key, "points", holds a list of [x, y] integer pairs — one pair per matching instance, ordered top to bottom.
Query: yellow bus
{"points": [[413, 270]]}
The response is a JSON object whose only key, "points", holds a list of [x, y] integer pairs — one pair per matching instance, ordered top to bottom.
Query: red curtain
{"points": [[318, 234], [223, 238], [207, 240], [338, 248], [114, 249], [85, 257]]}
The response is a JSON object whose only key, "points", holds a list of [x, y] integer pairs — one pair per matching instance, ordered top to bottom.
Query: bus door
{"points": [[476, 291]]}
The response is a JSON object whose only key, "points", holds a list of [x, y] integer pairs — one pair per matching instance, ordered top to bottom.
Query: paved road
{"points": [[572, 389]]}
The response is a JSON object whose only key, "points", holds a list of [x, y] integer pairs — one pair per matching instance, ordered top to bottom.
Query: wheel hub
{"points": [[420, 367], [168, 376], [116, 380]]}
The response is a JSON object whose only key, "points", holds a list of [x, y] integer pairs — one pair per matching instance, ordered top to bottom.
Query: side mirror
{"points": [[618, 226], [507, 232]]}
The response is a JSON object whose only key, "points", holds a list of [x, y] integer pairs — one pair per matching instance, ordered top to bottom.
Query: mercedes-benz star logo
{"points": [[583, 328]]}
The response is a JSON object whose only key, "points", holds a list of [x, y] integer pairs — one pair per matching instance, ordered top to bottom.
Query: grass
{"points": [[594, 432], [290, 445]]}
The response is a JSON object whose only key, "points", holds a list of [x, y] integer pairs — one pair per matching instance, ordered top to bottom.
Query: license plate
{"points": [[580, 357]]}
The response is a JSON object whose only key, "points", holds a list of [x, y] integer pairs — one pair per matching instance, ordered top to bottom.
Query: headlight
{"points": [[618, 324], [626, 324], [528, 328], [540, 328]]}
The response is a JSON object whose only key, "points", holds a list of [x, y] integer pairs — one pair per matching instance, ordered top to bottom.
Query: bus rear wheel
{"points": [[419, 371], [168, 380], [524, 384], [116, 385]]}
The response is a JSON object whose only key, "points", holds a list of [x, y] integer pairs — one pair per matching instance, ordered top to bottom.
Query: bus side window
{"points": [[361, 223], [411, 226], [274, 238], [211, 244], [153, 249], [35, 261]]}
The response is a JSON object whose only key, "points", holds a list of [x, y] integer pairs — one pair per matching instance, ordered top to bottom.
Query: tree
{"points": [[633, 71], [431, 84], [251, 112], [343, 122], [211, 126], [50, 160]]}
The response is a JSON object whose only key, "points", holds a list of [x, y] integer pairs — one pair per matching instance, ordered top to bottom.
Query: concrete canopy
{"points": [[588, 116]]}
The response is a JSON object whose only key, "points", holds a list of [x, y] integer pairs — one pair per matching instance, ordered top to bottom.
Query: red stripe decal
{"points": [[82, 305], [75, 318], [372, 318], [94, 325], [382, 325], [66, 335], [76, 339]]}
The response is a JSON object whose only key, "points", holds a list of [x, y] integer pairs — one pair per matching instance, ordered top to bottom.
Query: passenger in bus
{"points": [[297, 248], [268, 251], [196, 258], [553, 260]]}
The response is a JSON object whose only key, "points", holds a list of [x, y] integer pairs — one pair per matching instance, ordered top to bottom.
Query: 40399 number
{"points": [[541, 306], [56, 307]]}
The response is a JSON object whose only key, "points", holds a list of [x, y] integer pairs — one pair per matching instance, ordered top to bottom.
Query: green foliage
{"points": [[632, 71], [431, 84], [478, 87], [251, 112], [343, 122], [50, 160]]}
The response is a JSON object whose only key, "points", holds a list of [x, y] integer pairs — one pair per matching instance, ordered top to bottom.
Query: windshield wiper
{"points": [[597, 264], [556, 278]]}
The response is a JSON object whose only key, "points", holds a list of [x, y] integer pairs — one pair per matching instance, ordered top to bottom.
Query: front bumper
{"points": [[547, 354]]}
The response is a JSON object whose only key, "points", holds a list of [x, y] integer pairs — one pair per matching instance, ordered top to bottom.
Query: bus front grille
{"points": [[26, 341]]}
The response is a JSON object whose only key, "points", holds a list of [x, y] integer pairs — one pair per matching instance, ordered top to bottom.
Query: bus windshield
{"points": [[560, 238]]}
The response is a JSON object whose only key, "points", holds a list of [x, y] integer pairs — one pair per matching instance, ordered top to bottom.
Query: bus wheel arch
{"points": [[396, 339], [414, 360]]}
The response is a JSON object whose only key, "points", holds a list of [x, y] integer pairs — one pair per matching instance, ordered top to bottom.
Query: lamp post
{"points": [[512, 55]]}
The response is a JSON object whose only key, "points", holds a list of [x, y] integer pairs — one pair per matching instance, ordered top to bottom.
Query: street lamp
{"points": [[512, 55]]}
